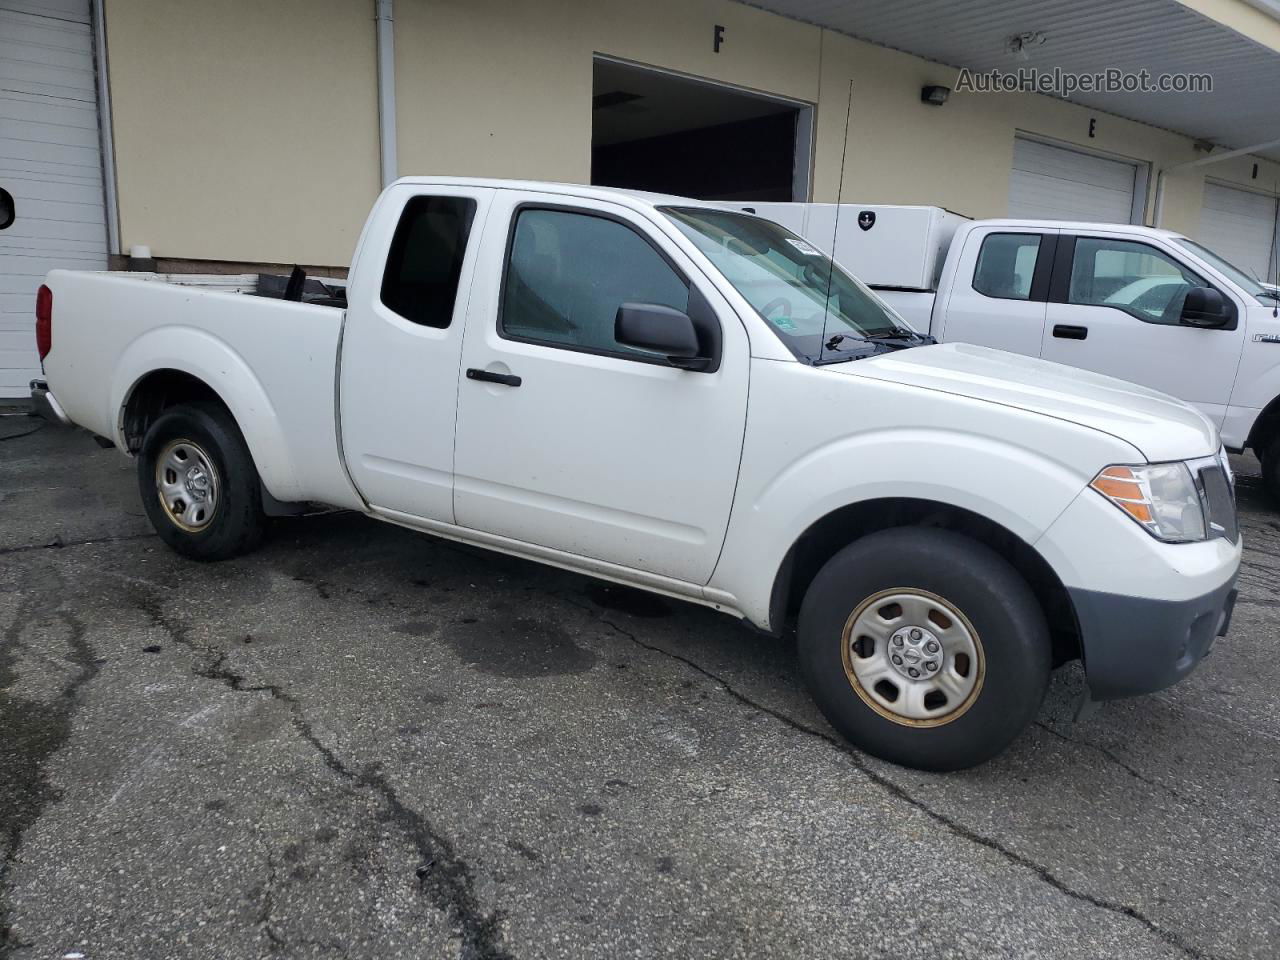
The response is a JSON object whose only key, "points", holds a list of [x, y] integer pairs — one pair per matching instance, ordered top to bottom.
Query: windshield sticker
{"points": [[804, 248], [784, 323]]}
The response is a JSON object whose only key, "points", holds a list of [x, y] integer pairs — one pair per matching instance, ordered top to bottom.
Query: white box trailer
{"points": [[886, 246]]}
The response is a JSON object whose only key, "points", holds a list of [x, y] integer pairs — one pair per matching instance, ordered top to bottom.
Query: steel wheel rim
{"points": [[187, 485], [883, 627]]}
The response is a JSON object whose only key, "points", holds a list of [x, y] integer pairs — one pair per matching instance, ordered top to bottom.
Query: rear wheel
{"points": [[199, 485], [924, 647]]}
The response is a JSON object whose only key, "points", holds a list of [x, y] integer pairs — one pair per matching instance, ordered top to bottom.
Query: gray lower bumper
{"points": [[46, 403], [1134, 645]]}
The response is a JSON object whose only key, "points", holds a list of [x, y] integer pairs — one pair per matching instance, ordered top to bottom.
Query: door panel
{"points": [[995, 299], [1116, 313], [401, 347], [597, 452]]}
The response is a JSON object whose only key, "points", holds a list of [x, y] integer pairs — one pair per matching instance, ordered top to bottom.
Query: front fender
{"points": [[213, 361], [1019, 489]]}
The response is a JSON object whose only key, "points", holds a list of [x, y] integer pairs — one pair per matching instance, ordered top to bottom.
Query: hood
{"points": [[1160, 426]]}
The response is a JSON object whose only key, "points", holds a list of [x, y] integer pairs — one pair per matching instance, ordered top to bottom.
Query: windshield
{"points": [[786, 280], [1249, 284]]}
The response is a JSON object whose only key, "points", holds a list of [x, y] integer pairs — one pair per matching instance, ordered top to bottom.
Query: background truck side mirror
{"points": [[8, 212], [1205, 307], [659, 329]]}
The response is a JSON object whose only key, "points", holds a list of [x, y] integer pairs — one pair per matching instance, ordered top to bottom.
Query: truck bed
{"points": [[276, 358]]}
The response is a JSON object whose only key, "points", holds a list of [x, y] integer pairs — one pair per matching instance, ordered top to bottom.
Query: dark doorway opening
{"points": [[652, 130]]}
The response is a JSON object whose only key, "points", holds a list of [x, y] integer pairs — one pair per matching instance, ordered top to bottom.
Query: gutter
{"points": [[383, 17]]}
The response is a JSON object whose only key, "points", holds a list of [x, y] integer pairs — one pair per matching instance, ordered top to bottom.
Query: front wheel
{"points": [[199, 485], [924, 647]]}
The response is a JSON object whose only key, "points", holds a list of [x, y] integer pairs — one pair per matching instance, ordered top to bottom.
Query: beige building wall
{"points": [[244, 129], [248, 131]]}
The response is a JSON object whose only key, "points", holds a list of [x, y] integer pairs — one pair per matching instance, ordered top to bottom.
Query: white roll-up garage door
{"points": [[50, 160], [1055, 183], [1240, 227]]}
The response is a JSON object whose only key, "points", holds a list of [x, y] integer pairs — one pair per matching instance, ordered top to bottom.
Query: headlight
{"points": [[1161, 497]]}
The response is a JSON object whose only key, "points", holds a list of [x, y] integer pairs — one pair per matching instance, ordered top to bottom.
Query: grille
{"points": [[1220, 502]]}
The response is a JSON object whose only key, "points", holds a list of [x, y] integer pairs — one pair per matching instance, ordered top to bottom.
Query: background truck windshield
{"points": [[786, 280], [1250, 285]]}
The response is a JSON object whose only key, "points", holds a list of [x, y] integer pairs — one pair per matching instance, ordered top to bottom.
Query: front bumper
{"points": [[46, 404], [1136, 645]]}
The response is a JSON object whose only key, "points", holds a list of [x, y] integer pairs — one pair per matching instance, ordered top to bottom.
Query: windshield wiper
{"points": [[900, 334]]}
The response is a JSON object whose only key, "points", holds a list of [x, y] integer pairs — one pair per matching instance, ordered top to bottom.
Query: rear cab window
{"points": [[424, 263], [1006, 265]]}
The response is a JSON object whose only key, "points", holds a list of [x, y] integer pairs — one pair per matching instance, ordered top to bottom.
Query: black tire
{"points": [[1269, 456], [235, 524], [1008, 627]]}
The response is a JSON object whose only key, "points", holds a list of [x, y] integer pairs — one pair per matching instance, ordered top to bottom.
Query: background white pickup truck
{"points": [[1133, 302], [587, 377]]}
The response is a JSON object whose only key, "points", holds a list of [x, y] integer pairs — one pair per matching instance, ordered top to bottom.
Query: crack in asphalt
{"points": [[57, 543], [34, 731], [1122, 764], [954, 826], [444, 875]]}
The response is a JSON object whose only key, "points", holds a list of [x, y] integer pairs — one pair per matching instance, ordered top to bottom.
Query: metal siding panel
{"points": [[1086, 36], [50, 160]]}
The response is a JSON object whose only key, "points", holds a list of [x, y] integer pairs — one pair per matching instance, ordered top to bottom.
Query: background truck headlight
{"points": [[1162, 498]]}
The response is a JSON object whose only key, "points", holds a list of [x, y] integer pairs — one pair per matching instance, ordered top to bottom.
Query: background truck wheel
{"points": [[1270, 458], [199, 486], [924, 647]]}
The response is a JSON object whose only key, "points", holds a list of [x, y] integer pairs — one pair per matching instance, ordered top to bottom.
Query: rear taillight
{"points": [[44, 321]]}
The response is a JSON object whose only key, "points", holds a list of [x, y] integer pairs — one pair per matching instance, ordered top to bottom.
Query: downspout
{"points": [[386, 89], [105, 135]]}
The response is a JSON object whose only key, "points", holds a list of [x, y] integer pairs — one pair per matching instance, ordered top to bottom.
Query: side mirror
{"points": [[8, 212], [1205, 307], [659, 329]]}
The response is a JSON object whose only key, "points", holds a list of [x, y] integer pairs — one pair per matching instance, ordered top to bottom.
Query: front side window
{"points": [[1006, 265], [568, 273], [1133, 277], [420, 281], [818, 310]]}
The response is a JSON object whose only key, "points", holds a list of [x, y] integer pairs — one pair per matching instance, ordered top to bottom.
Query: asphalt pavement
{"points": [[365, 742]]}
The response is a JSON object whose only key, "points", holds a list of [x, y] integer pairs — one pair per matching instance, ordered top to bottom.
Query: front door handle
{"points": [[1066, 331], [506, 379]]}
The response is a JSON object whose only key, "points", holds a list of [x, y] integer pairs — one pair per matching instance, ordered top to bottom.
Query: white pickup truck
{"points": [[1134, 302], [586, 377]]}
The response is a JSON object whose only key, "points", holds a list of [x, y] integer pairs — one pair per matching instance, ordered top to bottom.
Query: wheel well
{"points": [[154, 394], [1264, 428], [842, 527]]}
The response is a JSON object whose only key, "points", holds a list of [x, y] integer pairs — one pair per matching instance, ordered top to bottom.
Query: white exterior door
{"points": [[50, 161], [1056, 183], [1240, 227], [994, 299], [1117, 313], [401, 346], [596, 449]]}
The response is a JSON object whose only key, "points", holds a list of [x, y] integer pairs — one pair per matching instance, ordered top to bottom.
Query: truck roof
{"points": [[640, 197], [1136, 229]]}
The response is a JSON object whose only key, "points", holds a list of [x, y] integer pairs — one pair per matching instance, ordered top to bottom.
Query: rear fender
{"points": [[211, 360]]}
